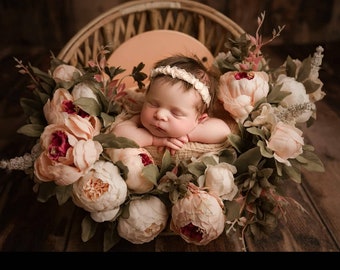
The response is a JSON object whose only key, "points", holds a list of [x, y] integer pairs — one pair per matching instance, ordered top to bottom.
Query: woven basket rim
{"points": [[144, 5]]}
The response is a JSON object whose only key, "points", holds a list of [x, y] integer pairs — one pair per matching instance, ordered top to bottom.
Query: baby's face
{"points": [[169, 110]]}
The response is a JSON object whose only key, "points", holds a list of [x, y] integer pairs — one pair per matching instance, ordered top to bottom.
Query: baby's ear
{"points": [[202, 117]]}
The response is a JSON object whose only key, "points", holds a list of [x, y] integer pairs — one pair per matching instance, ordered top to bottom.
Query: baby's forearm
{"points": [[212, 131], [138, 135]]}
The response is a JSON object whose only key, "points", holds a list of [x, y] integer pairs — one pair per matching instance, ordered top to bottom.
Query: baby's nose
{"points": [[161, 114]]}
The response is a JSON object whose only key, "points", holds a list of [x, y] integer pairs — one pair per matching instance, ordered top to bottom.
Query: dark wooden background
{"points": [[31, 29]]}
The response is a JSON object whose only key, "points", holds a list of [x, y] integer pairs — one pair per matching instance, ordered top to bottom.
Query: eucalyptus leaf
{"points": [[290, 67], [305, 69], [311, 86], [276, 95], [30, 105], [89, 105], [107, 119], [31, 130], [256, 131], [112, 141], [236, 141], [266, 152], [228, 155], [250, 157], [313, 162], [166, 163], [197, 168], [151, 173], [293, 174], [256, 190], [46, 191], [63, 193], [233, 210], [88, 228], [111, 238]]}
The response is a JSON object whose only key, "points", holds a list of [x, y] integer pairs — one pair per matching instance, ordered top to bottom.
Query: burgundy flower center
{"points": [[244, 75], [70, 108], [59, 145], [146, 160], [193, 232]]}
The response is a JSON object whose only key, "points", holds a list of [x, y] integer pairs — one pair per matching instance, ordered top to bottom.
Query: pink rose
{"points": [[239, 91], [62, 106], [286, 141], [68, 152], [135, 159], [198, 217]]}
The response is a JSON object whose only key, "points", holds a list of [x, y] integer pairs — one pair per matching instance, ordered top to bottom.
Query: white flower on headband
{"points": [[183, 75]]}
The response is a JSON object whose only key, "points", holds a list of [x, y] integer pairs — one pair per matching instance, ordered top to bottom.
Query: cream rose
{"points": [[65, 73], [83, 90], [239, 91], [297, 96], [286, 141], [135, 159], [220, 180], [100, 191], [198, 217], [147, 218]]}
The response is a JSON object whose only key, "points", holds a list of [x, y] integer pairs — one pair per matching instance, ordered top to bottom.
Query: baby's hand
{"points": [[172, 144]]}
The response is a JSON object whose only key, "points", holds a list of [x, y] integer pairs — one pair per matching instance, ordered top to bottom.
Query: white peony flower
{"points": [[220, 180], [101, 191], [198, 217], [147, 218]]}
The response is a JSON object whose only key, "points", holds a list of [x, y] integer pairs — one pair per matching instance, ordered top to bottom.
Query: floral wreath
{"points": [[71, 109]]}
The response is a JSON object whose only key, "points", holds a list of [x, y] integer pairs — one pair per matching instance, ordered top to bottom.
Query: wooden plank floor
{"points": [[28, 225]]}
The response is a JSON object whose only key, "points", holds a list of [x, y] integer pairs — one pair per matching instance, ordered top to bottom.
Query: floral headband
{"points": [[183, 75]]}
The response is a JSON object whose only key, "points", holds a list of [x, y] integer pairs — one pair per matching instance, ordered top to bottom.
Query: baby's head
{"points": [[191, 73]]}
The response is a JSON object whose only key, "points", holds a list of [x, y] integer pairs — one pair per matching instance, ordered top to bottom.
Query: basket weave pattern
{"points": [[132, 18]]}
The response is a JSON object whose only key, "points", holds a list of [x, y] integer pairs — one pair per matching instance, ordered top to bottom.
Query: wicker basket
{"points": [[124, 21]]}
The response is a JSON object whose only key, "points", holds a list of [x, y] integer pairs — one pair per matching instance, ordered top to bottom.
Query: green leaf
{"points": [[290, 67], [305, 70], [311, 86], [276, 95], [30, 105], [89, 105], [107, 119], [31, 130], [257, 131], [111, 141], [236, 141], [264, 150], [228, 155], [250, 157], [313, 162], [166, 163], [197, 168], [151, 173], [293, 173], [46, 190], [256, 190], [63, 193], [233, 209], [88, 228], [111, 237]]}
